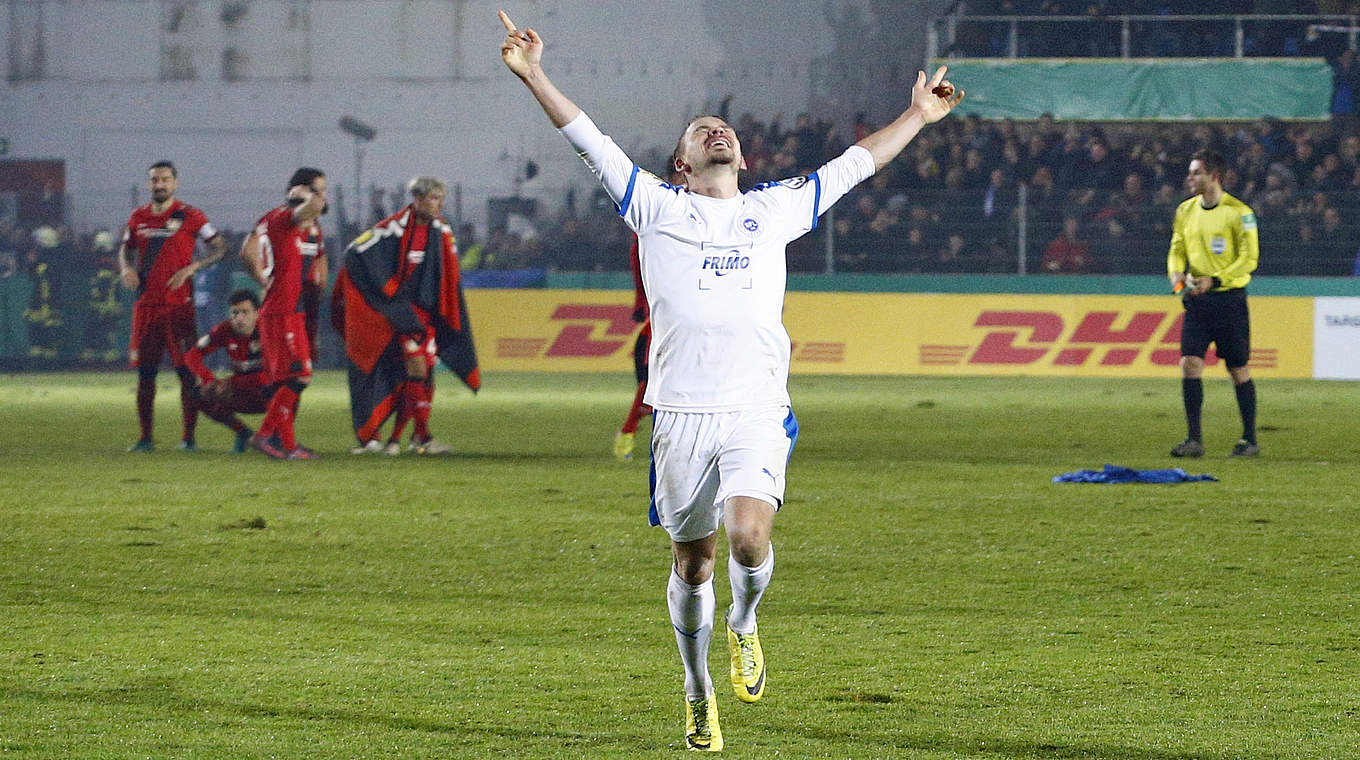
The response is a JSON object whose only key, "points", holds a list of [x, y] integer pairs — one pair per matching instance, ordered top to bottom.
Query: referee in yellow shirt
{"points": [[1214, 250]]}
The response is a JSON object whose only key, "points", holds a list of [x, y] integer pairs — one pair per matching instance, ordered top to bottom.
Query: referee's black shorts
{"points": [[1219, 318]]}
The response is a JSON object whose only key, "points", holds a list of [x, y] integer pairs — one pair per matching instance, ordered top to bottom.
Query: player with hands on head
{"points": [[273, 254], [713, 267]]}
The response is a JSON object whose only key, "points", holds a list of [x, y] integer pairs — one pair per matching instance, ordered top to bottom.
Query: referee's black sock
{"points": [[1192, 392], [1246, 403]]}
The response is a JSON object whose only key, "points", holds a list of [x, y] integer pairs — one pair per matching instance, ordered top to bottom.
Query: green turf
{"points": [[936, 595]]}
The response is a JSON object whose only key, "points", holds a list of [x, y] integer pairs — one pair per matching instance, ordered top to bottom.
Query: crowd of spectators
{"points": [[975, 196], [1098, 197]]}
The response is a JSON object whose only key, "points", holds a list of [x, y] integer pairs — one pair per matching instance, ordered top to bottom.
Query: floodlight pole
{"points": [[358, 182]]}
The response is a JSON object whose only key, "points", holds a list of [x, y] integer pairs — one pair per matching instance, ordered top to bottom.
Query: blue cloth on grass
{"points": [[1116, 474]]}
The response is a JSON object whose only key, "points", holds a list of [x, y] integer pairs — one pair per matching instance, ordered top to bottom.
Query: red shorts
{"points": [[160, 327], [283, 342], [425, 346], [249, 393], [245, 394]]}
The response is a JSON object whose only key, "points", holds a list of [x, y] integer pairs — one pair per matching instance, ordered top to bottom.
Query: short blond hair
{"points": [[423, 186]]}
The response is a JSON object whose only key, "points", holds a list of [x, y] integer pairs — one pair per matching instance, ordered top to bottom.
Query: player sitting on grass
{"points": [[245, 392]]}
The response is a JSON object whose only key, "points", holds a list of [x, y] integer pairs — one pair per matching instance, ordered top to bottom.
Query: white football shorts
{"points": [[702, 459]]}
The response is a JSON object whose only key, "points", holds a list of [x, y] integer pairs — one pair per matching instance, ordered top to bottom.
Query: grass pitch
{"points": [[935, 595]]}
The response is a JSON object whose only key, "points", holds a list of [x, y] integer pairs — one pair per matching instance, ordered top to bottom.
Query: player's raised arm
{"points": [[522, 52], [931, 100]]}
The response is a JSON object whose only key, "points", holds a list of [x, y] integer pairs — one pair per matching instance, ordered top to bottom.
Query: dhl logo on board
{"points": [[598, 330], [900, 333], [1107, 338]]}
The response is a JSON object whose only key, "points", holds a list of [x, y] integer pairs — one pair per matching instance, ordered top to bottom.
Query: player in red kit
{"points": [[273, 254], [156, 260], [314, 269], [403, 309], [246, 391], [625, 438]]}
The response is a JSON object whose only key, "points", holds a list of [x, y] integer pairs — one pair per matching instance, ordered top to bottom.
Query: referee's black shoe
{"points": [[1189, 448], [1245, 448]]}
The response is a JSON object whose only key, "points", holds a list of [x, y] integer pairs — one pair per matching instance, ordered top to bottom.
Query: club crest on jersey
{"points": [[173, 224], [750, 225], [415, 257], [724, 265]]}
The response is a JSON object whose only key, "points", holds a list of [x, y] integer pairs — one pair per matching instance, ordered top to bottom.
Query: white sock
{"points": [[748, 585], [692, 609]]}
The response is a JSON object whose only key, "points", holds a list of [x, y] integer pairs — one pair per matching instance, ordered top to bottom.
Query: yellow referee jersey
{"points": [[1218, 242]]}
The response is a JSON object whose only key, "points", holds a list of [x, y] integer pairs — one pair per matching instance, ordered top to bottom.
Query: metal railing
{"points": [[1133, 36]]}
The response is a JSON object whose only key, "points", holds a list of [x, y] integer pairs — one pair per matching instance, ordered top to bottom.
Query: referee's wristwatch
{"points": [[1217, 283]]}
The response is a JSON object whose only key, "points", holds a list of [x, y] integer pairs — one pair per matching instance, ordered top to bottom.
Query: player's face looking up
{"points": [[709, 141], [161, 180], [430, 205], [243, 315]]}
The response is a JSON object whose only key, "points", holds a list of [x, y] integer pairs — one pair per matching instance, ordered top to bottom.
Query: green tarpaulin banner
{"points": [[1161, 89]]}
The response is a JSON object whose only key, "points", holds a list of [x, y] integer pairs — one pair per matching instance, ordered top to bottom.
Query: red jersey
{"points": [[165, 244], [311, 247], [283, 248], [639, 294], [243, 351]]}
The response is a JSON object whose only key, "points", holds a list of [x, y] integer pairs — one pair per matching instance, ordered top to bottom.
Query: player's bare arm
{"points": [[522, 52], [931, 100], [217, 248], [250, 258], [127, 270]]}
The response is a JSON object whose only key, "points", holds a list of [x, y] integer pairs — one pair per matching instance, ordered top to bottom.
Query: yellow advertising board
{"points": [[901, 333]]}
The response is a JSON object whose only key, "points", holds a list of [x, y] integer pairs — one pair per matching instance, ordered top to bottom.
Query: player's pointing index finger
{"points": [[509, 25], [939, 76]]}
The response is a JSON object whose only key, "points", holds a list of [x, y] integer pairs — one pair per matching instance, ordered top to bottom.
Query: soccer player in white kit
{"points": [[713, 267]]}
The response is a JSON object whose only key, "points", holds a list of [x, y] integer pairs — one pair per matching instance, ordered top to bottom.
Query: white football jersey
{"points": [[714, 272]]}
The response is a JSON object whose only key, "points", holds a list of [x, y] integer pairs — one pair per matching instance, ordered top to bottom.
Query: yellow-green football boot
{"points": [[748, 664], [701, 725]]}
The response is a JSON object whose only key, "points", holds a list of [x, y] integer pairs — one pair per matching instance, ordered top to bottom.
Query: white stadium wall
{"points": [[270, 86]]}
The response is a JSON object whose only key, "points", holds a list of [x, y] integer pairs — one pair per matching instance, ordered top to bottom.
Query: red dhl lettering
{"points": [[582, 338], [1109, 338]]}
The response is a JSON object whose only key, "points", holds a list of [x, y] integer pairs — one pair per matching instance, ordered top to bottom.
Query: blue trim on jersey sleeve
{"points": [[628, 194], [816, 201], [791, 430]]}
